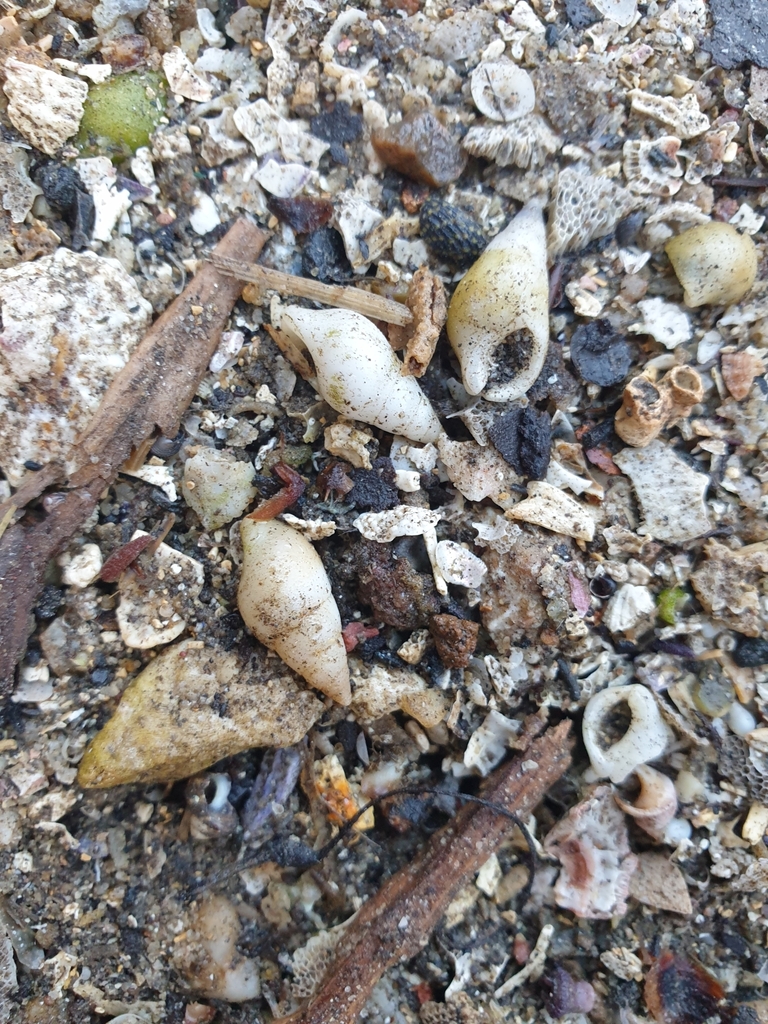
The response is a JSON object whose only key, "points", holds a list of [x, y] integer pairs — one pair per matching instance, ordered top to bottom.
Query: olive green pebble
{"points": [[121, 113], [669, 604], [712, 694]]}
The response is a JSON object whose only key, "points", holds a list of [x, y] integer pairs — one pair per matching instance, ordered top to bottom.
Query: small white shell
{"points": [[502, 91], [501, 309], [358, 374], [285, 600], [646, 738], [656, 803]]}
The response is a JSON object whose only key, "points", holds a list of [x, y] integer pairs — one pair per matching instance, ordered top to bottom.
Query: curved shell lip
{"points": [[647, 737]]}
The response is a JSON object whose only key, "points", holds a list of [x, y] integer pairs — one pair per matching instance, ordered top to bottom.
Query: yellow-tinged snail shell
{"points": [[714, 263], [498, 319], [285, 600]]}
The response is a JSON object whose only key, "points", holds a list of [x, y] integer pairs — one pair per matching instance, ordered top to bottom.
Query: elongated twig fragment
{"points": [[375, 306], [152, 391], [396, 923]]}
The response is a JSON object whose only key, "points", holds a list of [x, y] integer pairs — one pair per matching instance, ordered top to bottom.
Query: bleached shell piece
{"points": [[622, 12], [183, 79], [502, 91], [45, 107], [683, 115], [259, 123], [526, 142], [651, 166], [284, 180], [18, 190], [584, 207], [500, 311], [664, 321], [358, 374], [348, 442], [478, 472], [217, 486], [670, 492], [553, 509], [401, 521], [459, 566], [285, 600], [628, 606], [153, 607], [169, 724], [647, 737], [489, 742], [655, 805], [592, 845]]}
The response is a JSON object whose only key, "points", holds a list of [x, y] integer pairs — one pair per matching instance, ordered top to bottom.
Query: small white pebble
{"points": [[740, 719]]}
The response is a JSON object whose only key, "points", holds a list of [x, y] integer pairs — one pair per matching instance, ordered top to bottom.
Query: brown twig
{"points": [[374, 306], [152, 391], [397, 922]]}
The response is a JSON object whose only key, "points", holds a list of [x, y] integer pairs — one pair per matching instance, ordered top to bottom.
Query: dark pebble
{"points": [[581, 13], [740, 33], [338, 125], [421, 148], [338, 154], [59, 184], [302, 213], [82, 214], [628, 228], [451, 234], [324, 257], [599, 354], [523, 437], [164, 447], [33, 466], [374, 489], [49, 602], [751, 652], [100, 676], [346, 734]]}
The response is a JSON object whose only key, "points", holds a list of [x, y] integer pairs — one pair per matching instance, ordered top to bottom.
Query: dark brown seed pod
{"points": [[450, 233]]}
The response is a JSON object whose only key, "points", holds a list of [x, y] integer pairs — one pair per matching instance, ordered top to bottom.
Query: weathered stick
{"points": [[374, 306], [152, 391], [397, 922]]}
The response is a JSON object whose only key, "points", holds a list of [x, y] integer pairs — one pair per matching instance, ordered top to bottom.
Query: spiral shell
{"points": [[498, 319], [285, 600], [656, 803]]}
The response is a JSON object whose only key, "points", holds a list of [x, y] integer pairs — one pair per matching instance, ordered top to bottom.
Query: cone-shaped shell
{"points": [[498, 319], [358, 374], [285, 600]]}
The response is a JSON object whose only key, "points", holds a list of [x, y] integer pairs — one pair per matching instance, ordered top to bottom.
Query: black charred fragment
{"points": [[740, 33], [337, 126], [324, 257], [599, 354], [523, 437], [374, 489], [751, 652]]}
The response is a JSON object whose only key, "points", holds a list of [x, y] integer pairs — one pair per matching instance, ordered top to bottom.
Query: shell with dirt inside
{"points": [[498, 318], [285, 600]]}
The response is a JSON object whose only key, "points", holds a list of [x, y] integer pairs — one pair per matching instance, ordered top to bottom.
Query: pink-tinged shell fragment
{"points": [[592, 846]]}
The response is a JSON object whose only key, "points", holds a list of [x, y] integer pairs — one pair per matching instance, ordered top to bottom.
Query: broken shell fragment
{"points": [[502, 91], [714, 263], [498, 318], [358, 374], [217, 487], [555, 510], [285, 600], [189, 708], [646, 738], [656, 804]]}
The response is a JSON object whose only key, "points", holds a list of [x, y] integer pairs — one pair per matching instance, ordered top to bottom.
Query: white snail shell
{"points": [[501, 308], [358, 374], [285, 600], [647, 737], [656, 804]]}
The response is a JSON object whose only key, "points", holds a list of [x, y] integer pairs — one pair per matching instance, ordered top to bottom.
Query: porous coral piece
{"points": [[45, 107], [683, 115], [526, 142], [420, 148], [651, 166], [583, 208], [648, 407], [727, 584], [381, 689], [192, 706], [592, 845]]}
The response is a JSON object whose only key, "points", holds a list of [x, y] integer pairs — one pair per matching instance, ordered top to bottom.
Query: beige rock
{"points": [[45, 107], [217, 487], [727, 584], [378, 690], [192, 706], [659, 883]]}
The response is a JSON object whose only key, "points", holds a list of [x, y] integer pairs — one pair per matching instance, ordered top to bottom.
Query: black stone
{"points": [[581, 13], [740, 33], [338, 125], [338, 154], [59, 184], [82, 215], [628, 228], [450, 233], [324, 257], [599, 354], [523, 437], [374, 489], [49, 602], [751, 652], [346, 734]]}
